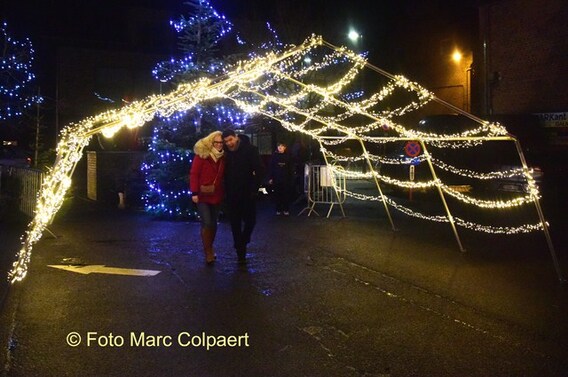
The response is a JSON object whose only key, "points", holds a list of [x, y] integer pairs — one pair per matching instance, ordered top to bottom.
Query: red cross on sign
{"points": [[412, 149]]}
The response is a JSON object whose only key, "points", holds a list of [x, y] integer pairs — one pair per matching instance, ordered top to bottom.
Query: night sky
{"points": [[381, 22], [396, 33]]}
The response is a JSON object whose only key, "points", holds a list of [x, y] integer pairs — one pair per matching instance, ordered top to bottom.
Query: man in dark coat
{"points": [[243, 174]]}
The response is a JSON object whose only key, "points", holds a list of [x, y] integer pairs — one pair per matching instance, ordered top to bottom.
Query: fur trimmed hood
{"points": [[204, 147]]}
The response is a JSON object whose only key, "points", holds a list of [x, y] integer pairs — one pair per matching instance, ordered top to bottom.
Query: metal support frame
{"points": [[442, 196], [383, 199], [540, 213], [449, 216]]}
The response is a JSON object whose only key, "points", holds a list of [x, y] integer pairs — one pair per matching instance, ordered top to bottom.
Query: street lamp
{"points": [[354, 35], [457, 56], [463, 62]]}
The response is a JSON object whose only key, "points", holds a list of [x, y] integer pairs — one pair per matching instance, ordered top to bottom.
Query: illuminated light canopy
{"points": [[281, 86]]}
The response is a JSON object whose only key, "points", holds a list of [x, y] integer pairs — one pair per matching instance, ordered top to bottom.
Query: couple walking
{"points": [[226, 166]]}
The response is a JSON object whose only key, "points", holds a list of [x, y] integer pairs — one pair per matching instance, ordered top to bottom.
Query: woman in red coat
{"points": [[206, 185]]}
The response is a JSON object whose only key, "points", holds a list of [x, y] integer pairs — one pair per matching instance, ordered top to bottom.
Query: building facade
{"points": [[523, 59]]}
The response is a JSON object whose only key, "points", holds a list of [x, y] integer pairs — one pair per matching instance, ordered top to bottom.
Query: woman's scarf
{"points": [[215, 154]]}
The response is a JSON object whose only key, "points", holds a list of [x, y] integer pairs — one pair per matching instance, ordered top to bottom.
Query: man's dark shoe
{"points": [[242, 255]]}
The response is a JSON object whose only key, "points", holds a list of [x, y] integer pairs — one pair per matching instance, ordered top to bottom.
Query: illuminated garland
{"points": [[244, 84], [489, 129], [77, 135], [516, 172], [510, 173], [495, 204], [526, 228]]}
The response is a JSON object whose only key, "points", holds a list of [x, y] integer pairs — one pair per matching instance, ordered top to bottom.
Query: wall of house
{"points": [[526, 56]]}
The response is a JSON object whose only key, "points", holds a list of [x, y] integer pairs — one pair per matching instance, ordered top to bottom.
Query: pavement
{"points": [[319, 297]]}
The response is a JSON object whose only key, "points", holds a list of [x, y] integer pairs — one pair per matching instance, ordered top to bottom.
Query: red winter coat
{"points": [[203, 172]]}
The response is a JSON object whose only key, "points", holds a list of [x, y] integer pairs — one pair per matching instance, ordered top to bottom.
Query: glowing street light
{"points": [[354, 35], [457, 56], [463, 64]]}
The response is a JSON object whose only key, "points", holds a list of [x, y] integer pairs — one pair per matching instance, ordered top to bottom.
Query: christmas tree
{"points": [[16, 76], [167, 163]]}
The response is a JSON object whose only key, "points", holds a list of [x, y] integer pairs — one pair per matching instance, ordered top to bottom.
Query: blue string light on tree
{"points": [[16, 76], [167, 163], [165, 171]]}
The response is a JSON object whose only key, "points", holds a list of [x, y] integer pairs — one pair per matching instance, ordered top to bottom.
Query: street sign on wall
{"points": [[555, 126], [412, 148]]}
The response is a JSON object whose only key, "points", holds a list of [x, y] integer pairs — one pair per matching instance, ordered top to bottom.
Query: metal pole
{"points": [[468, 84], [57, 108], [36, 145], [366, 154], [442, 197], [539, 212]]}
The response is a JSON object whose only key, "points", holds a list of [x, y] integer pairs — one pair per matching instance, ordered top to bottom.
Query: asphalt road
{"points": [[319, 297]]}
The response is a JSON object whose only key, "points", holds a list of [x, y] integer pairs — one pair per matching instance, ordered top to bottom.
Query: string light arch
{"points": [[310, 89]]}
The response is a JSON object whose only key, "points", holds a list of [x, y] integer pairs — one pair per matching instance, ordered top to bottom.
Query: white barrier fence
{"points": [[21, 184], [323, 186]]}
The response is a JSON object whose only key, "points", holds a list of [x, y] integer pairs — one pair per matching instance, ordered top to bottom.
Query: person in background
{"points": [[243, 174], [281, 178], [207, 189]]}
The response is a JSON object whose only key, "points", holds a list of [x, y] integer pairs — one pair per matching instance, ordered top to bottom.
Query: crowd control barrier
{"points": [[21, 184], [323, 186]]}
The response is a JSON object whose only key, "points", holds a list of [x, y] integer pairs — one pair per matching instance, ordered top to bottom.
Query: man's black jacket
{"points": [[243, 171]]}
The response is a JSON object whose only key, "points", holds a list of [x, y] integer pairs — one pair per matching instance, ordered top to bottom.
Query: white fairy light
{"points": [[279, 86]]}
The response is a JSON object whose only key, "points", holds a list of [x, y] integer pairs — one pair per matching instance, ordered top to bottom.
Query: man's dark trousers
{"points": [[242, 215]]}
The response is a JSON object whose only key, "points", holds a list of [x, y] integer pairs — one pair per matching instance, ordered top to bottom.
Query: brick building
{"points": [[523, 57]]}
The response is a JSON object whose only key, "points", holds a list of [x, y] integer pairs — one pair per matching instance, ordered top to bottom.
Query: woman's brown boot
{"points": [[207, 236]]}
